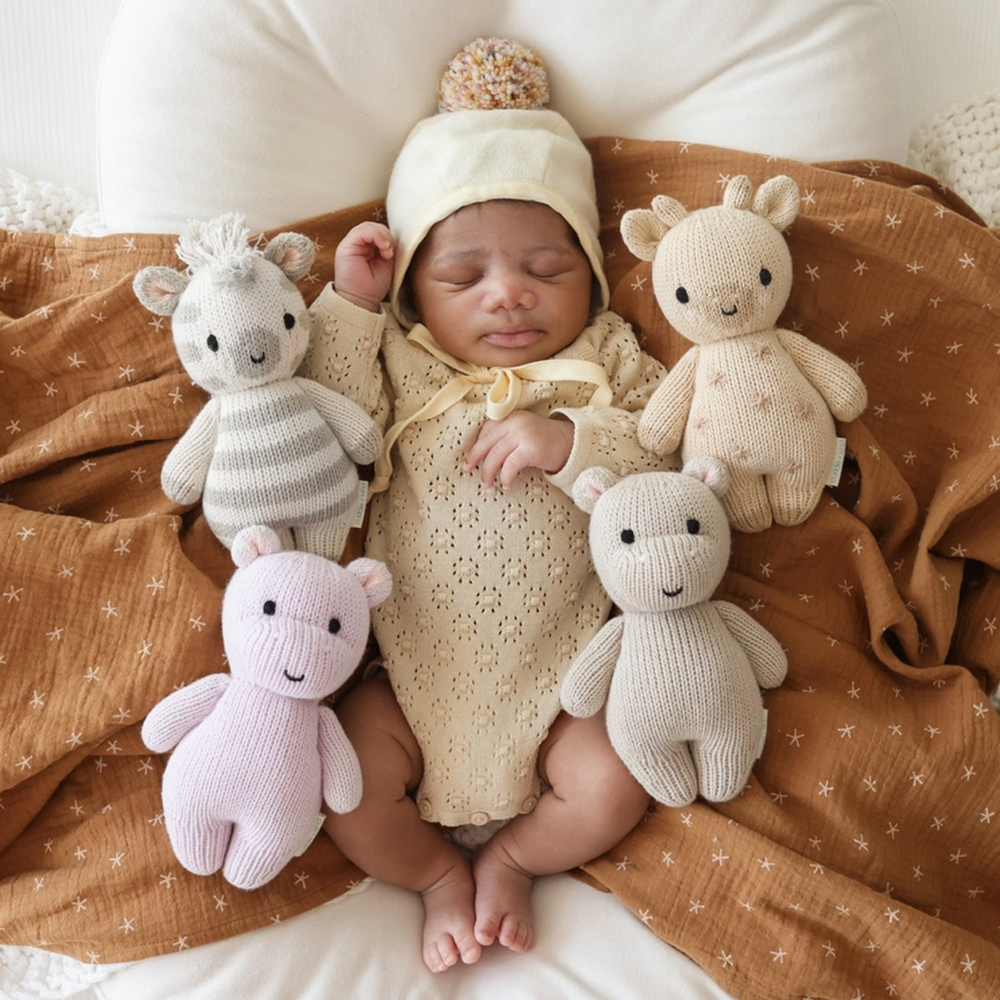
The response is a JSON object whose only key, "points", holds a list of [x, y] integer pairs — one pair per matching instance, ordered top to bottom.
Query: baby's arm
{"points": [[363, 265], [522, 440]]}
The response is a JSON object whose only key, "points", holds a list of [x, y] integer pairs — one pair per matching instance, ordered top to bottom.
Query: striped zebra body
{"points": [[276, 462]]}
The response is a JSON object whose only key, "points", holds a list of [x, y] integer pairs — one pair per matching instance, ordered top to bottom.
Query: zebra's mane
{"points": [[221, 244]]}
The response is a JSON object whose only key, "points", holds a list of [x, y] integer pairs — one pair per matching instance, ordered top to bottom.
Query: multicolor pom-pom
{"points": [[492, 73]]}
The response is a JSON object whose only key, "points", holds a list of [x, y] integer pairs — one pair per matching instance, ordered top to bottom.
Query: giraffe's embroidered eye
{"points": [[765, 276], [682, 296], [289, 321], [213, 342], [694, 526], [628, 536], [270, 607], [334, 626]]}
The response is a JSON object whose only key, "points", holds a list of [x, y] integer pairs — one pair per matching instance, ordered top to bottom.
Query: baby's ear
{"points": [[159, 288], [710, 471], [591, 485], [252, 542], [374, 577]]}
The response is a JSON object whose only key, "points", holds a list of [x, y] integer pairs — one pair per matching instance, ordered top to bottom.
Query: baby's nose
{"points": [[508, 291]]}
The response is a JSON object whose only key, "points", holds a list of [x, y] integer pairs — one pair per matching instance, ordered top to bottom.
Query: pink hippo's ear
{"points": [[710, 471], [591, 485], [252, 542], [374, 577]]}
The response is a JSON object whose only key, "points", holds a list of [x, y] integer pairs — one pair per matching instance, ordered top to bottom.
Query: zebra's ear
{"points": [[159, 288]]}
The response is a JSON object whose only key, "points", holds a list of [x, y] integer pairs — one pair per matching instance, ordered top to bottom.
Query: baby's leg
{"points": [[592, 804], [385, 835]]}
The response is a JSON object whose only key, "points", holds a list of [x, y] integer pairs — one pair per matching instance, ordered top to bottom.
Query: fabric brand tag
{"points": [[838, 462], [359, 513], [312, 836]]}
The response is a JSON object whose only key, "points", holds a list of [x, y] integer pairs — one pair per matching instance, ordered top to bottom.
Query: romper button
{"points": [[529, 803], [425, 807], [479, 818]]}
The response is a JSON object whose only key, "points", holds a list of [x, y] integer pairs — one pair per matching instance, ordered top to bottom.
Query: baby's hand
{"points": [[363, 265], [522, 440]]}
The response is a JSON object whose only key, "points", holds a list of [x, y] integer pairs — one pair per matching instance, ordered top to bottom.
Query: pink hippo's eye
{"points": [[270, 607], [334, 625]]}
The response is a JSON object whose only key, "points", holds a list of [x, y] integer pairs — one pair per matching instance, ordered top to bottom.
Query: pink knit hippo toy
{"points": [[256, 752]]}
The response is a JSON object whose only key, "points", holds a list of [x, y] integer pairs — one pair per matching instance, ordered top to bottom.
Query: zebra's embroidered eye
{"points": [[765, 276], [682, 296], [289, 321], [213, 342], [694, 526], [628, 536], [270, 607], [334, 626]]}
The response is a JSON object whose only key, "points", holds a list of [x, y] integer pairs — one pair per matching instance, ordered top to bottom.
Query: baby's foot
{"points": [[503, 907], [449, 918]]}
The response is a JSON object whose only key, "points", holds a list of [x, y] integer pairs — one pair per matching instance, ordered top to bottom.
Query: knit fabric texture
{"points": [[961, 148], [759, 398], [269, 447], [495, 594], [679, 672], [256, 753]]}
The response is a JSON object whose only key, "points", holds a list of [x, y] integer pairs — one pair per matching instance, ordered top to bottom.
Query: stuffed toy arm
{"points": [[835, 380], [661, 425], [355, 430], [186, 467], [767, 658], [588, 681], [178, 713], [340, 767]]}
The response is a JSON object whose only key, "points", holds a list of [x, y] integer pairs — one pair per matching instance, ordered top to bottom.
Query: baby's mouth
{"points": [[520, 336]]}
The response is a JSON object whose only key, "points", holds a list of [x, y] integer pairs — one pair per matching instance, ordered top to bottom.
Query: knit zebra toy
{"points": [[269, 447], [679, 672]]}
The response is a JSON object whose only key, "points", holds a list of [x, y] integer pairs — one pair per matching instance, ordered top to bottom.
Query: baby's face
{"points": [[502, 283]]}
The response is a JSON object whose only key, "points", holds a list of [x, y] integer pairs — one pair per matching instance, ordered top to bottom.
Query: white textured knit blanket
{"points": [[961, 148], [40, 207]]}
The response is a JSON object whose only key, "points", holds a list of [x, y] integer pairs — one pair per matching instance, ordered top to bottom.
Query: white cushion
{"points": [[286, 110], [367, 947]]}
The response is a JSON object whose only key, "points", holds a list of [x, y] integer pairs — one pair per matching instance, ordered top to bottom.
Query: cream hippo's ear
{"points": [[777, 200], [643, 228], [293, 253], [160, 288], [710, 471], [591, 485], [254, 541], [374, 577]]}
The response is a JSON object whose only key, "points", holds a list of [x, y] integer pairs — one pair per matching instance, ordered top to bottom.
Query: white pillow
{"points": [[285, 110]]}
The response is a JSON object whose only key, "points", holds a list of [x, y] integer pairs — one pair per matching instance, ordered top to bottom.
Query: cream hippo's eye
{"points": [[765, 276], [682, 296], [289, 321], [213, 343], [693, 526], [628, 536], [270, 607], [334, 626]]}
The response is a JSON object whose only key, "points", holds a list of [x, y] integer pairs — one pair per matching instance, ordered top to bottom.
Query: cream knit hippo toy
{"points": [[759, 398], [268, 447], [680, 673], [256, 752]]}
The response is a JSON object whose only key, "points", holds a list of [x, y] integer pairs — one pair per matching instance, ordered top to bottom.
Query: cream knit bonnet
{"points": [[493, 140]]}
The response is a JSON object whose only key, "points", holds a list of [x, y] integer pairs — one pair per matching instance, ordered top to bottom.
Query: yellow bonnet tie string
{"points": [[503, 396]]}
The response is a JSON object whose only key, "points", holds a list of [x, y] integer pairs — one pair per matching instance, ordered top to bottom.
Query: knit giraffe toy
{"points": [[759, 398], [268, 447], [680, 673], [257, 753]]}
